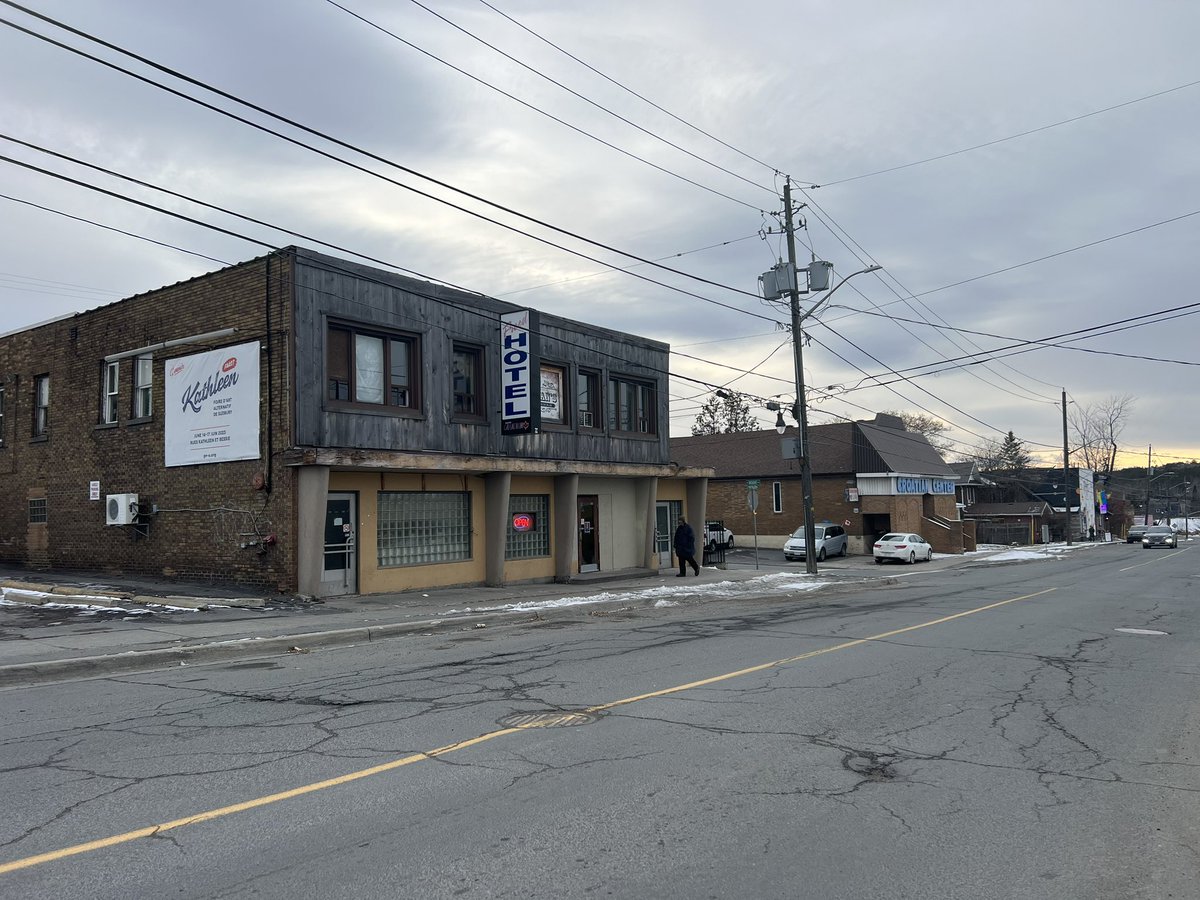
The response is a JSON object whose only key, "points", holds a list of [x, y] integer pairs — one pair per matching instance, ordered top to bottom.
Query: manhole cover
{"points": [[1140, 631], [546, 719]]}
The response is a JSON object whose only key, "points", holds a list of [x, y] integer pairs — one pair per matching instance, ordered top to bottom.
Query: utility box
{"points": [[820, 274], [778, 282], [120, 509]]}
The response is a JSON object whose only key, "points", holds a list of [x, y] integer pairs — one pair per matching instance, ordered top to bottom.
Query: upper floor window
{"points": [[372, 368], [467, 381], [143, 384], [110, 393], [553, 394], [587, 401], [41, 405], [631, 406], [2, 415]]}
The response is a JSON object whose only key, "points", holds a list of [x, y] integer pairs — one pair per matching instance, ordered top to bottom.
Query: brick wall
{"points": [[727, 501], [206, 512]]}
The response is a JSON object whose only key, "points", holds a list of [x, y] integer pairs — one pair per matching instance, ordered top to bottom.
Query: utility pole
{"points": [[1149, 456], [1067, 475], [810, 531]]}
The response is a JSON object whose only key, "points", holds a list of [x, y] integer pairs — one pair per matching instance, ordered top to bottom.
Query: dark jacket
{"points": [[685, 541]]}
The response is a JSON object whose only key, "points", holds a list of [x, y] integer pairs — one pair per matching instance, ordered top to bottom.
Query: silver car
{"points": [[830, 541]]}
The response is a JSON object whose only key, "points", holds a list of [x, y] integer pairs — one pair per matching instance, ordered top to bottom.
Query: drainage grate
{"points": [[546, 719]]}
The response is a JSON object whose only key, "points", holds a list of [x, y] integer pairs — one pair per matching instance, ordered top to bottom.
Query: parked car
{"points": [[1135, 533], [717, 535], [1159, 536], [830, 541], [902, 548]]}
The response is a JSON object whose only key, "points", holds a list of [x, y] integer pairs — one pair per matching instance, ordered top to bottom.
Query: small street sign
{"points": [[753, 483]]}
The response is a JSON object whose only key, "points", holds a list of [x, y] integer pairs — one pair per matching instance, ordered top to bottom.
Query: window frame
{"points": [[387, 337], [588, 385], [564, 391], [110, 392], [478, 393], [3, 397], [142, 405], [41, 407], [644, 409], [777, 496], [42, 517], [419, 536], [535, 544]]}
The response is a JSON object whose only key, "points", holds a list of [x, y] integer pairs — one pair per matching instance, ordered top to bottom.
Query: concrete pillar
{"points": [[645, 494], [311, 495], [697, 497], [495, 525], [566, 526]]}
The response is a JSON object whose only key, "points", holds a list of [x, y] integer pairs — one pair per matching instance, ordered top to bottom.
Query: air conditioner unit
{"points": [[585, 419], [120, 509]]}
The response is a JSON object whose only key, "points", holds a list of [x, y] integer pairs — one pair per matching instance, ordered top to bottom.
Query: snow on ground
{"points": [[1040, 551], [663, 595], [78, 603]]}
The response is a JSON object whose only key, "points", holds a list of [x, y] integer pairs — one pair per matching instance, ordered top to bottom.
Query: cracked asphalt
{"points": [[976, 732]]}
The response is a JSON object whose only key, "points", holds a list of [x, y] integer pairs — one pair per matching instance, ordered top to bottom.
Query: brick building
{"points": [[300, 422], [871, 477]]}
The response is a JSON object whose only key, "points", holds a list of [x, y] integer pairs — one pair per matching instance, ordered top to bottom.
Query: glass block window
{"points": [[37, 511], [528, 526], [424, 527]]}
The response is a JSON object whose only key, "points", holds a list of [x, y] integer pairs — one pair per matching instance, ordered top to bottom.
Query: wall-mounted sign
{"points": [[552, 389], [212, 406], [519, 409], [905, 485], [94, 490], [852, 495], [524, 522]]}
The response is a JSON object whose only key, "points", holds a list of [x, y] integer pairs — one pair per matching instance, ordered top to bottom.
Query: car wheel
{"points": [[729, 543], [711, 548], [845, 552], [821, 555], [929, 555], [912, 557], [878, 561]]}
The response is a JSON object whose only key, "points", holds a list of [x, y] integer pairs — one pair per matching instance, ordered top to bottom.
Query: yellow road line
{"points": [[1152, 561], [150, 831]]}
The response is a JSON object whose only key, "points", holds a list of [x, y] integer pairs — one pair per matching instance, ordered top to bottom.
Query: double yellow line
{"points": [[152, 830]]}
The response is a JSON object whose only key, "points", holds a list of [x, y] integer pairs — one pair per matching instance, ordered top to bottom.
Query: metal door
{"points": [[667, 513], [589, 533], [339, 574]]}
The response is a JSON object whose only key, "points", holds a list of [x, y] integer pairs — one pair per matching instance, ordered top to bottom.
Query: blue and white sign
{"points": [[520, 405], [212, 406], [907, 485]]}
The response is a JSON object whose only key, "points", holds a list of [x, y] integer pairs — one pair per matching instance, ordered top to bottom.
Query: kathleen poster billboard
{"points": [[212, 406]]}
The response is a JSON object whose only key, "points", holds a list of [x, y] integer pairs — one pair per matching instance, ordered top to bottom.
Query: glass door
{"points": [[666, 513], [589, 533], [339, 574]]}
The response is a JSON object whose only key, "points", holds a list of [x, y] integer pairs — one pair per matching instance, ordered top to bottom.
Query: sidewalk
{"points": [[56, 627]]}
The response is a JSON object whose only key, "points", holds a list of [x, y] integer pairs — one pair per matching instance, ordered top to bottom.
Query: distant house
{"points": [[870, 477], [970, 480], [1077, 492], [1026, 522]]}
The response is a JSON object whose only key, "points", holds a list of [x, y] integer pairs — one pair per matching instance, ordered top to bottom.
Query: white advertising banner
{"points": [[212, 406]]}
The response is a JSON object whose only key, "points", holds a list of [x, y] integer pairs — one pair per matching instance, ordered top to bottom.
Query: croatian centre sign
{"points": [[520, 403], [212, 406], [908, 485]]}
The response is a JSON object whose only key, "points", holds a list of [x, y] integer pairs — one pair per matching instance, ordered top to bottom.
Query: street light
{"points": [[810, 534]]}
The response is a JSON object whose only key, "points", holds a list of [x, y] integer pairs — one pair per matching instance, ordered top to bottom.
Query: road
{"points": [[986, 731]]}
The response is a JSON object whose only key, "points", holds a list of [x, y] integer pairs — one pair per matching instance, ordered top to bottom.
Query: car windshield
{"points": [[1160, 529], [818, 532], [894, 538]]}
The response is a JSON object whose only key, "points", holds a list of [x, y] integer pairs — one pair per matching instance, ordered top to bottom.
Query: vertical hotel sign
{"points": [[520, 404], [212, 406]]}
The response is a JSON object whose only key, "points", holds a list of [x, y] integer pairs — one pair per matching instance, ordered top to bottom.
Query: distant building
{"points": [[302, 422], [870, 477]]}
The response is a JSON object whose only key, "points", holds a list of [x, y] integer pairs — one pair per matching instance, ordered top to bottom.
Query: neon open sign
{"points": [[524, 522]]}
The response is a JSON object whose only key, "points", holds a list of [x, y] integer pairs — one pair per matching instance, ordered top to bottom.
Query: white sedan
{"points": [[902, 548]]}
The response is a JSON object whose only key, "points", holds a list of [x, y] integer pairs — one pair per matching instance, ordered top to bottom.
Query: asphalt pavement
{"points": [[72, 625]]}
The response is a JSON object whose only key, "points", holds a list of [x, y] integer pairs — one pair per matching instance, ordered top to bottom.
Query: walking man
{"points": [[685, 547]]}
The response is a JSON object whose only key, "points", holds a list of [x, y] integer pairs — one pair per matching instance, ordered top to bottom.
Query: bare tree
{"points": [[933, 428], [1096, 431], [987, 456]]}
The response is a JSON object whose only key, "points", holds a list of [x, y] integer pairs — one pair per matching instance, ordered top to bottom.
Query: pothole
{"points": [[546, 719], [871, 766]]}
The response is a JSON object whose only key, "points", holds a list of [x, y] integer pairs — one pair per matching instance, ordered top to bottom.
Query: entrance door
{"points": [[667, 513], [589, 533], [339, 574]]}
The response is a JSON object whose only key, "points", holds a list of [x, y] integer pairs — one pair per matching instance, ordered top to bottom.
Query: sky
{"points": [[1021, 172]]}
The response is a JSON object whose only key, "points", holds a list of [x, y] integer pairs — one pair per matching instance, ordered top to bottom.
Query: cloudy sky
{"points": [[1022, 172]]}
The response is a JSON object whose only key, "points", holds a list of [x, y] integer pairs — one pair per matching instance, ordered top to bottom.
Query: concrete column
{"points": [[311, 495], [645, 496], [697, 497], [495, 525], [566, 526]]}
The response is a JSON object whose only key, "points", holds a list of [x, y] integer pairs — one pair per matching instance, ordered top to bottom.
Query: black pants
{"points": [[685, 561]]}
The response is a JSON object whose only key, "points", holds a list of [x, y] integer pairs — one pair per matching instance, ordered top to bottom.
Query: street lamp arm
{"points": [[833, 290]]}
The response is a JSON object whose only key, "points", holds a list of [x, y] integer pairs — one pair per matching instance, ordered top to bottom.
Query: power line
{"points": [[346, 145]]}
